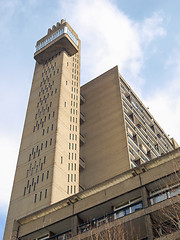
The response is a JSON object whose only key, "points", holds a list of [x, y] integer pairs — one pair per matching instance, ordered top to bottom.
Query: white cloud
{"points": [[109, 37], [164, 103], [9, 152]]}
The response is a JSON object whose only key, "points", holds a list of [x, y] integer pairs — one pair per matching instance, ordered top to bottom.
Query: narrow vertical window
{"points": [[34, 187], [71, 188], [24, 191], [46, 193], [40, 196], [35, 198]]}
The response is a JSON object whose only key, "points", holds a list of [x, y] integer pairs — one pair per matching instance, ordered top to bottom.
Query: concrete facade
{"points": [[119, 132], [84, 155], [48, 163], [136, 204]]}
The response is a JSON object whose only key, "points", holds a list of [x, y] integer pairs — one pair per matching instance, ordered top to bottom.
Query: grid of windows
{"points": [[44, 119], [73, 127], [146, 139]]}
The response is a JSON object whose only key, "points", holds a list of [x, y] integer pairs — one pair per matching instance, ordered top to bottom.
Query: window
{"points": [[51, 141], [44, 159], [61, 160], [47, 174], [42, 177], [37, 179], [29, 188], [67, 189], [24, 191], [45, 193], [163, 194], [40, 196], [35, 198], [127, 208]]}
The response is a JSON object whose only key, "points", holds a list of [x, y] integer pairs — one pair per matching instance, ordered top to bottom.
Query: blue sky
{"points": [[141, 37]]}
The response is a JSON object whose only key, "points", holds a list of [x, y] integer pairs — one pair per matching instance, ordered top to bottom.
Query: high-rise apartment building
{"points": [[118, 130], [65, 149], [49, 151]]}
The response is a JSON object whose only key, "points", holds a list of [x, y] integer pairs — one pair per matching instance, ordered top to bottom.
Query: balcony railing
{"points": [[82, 99], [82, 118], [141, 131], [82, 140], [81, 163], [109, 217], [60, 236]]}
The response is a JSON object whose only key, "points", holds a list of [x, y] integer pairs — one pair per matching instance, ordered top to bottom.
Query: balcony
{"points": [[61, 40], [82, 99], [82, 118], [82, 140], [81, 164]]}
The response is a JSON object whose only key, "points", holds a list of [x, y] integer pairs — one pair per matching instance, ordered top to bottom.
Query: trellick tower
{"points": [[48, 163]]}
